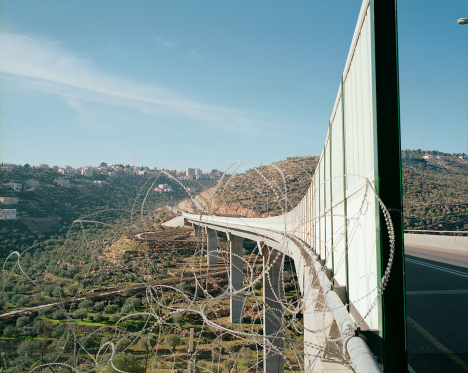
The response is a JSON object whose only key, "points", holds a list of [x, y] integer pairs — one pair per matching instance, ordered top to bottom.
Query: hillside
{"points": [[434, 191], [259, 192], [435, 194], [47, 212]]}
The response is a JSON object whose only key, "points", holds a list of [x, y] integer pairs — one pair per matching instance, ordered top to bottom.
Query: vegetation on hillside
{"points": [[266, 190], [434, 191], [435, 194], [46, 213]]}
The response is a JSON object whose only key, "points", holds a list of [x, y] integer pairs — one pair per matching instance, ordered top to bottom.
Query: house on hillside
{"points": [[32, 182], [62, 182], [15, 186], [163, 188], [9, 200], [7, 214], [28, 330]]}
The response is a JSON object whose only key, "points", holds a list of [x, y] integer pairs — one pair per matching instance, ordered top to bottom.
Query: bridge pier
{"points": [[197, 230], [211, 247], [236, 279], [273, 361]]}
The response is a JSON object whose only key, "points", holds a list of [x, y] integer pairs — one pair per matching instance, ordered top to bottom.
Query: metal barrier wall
{"points": [[340, 216]]}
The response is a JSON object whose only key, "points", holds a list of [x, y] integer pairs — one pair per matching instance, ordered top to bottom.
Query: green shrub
{"points": [[172, 340]]}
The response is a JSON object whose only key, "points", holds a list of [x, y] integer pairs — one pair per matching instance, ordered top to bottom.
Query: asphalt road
{"points": [[437, 310]]}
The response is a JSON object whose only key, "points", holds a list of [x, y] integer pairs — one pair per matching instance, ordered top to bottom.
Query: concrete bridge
{"points": [[345, 236]]}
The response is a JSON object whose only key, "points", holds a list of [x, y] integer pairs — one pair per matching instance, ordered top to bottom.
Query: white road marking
{"points": [[452, 271]]}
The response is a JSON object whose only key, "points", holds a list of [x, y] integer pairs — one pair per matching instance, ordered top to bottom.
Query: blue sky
{"points": [[204, 83]]}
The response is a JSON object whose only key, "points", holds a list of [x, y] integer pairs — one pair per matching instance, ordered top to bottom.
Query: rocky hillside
{"points": [[259, 192], [435, 192]]}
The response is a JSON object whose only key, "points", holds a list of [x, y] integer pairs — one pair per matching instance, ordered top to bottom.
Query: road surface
{"points": [[437, 309]]}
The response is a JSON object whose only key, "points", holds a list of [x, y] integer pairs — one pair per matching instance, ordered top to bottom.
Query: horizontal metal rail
{"points": [[433, 231]]}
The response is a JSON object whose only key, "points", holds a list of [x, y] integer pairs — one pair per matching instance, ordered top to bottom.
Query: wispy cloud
{"points": [[159, 40], [196, 55], [44, 65]]}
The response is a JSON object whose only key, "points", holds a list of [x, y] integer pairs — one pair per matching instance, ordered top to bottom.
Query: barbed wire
{"points": [[156, 324]]}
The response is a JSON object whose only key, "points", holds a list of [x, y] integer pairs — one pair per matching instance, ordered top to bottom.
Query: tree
{"points": [[103, 164], [182, 287], [72, 290], [87, 303], [99, 306], [111, 308], [127, 308], [45, 310], [80, 314], [58, 315], [98, 317], [180, 319], [22, 321], [39, 326], [9, 331], [172, 340], [123, 343], [146, 343], [29, 347], [246, 355], [126, 363], [229, 364]]}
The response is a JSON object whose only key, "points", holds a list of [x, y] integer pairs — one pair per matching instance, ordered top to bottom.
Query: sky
{"points": [[203, 83]]}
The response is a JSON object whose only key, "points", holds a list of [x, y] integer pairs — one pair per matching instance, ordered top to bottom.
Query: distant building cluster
{"points": [[408, 155], [193, 173], [62, 182], [32, 183], [100, 183], [163, 188]]}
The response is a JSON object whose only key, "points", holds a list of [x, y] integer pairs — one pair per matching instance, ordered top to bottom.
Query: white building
{"points": [[405, 155], [428, 156], [464, 156], [44, 166], [56, 168], [87, 171], [190, 172], [198, 173], [32, 182], [62, 182], [100, 182], [15, 186], [163, 188], [9, 200], [8, 214]]}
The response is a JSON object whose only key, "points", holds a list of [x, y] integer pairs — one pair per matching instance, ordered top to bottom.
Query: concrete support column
{"points": [[197, 230], [211, 246], [236, 282], [273, 349], [311, 353]]}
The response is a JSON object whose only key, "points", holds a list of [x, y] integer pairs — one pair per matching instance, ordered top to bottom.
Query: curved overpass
{"points": [[274, 242]]}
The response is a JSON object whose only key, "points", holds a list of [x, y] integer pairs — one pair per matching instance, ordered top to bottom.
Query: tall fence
{"points": [[352, 213], [340, 217]]}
